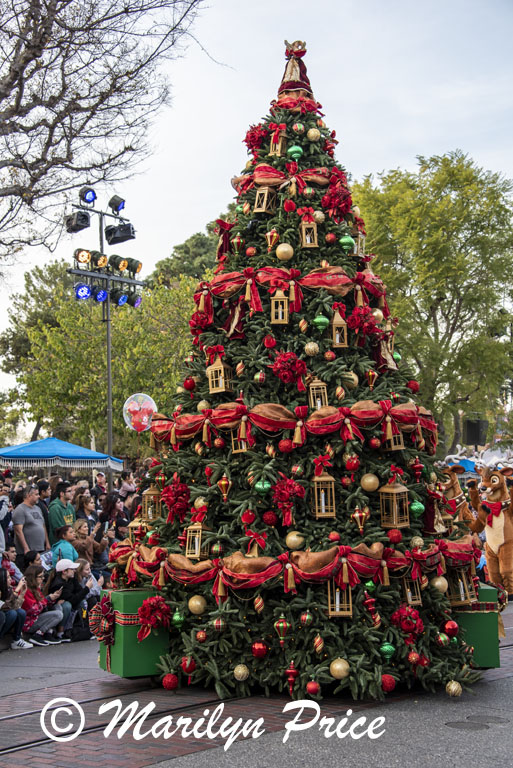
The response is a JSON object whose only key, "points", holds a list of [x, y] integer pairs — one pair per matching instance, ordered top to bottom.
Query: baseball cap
{"points": [[64, 564]]}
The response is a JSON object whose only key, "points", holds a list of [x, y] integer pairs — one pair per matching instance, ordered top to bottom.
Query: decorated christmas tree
{"points": [[293, 523]]}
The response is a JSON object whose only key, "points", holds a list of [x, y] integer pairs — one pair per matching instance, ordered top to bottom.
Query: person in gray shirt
{"points": [[29, 525]]}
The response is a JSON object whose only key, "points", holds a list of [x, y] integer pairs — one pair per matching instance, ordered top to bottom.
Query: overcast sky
{"points": [[396, 79]]}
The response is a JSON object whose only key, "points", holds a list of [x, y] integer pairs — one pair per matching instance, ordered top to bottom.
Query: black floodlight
{"points": [[77, 221], [119, 233], [82, 255], [99, 259], [118, 262], [134, 266]]}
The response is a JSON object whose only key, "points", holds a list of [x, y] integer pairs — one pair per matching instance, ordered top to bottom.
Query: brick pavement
{"points": [[188, 701]]}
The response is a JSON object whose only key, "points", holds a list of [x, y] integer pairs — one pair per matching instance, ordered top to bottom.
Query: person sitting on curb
{"points": [[61, 511], [63, 547], [64, 581], [43, 613], [12, 616]]}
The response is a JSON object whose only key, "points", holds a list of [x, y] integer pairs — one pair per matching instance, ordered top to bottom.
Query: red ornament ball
{"points": [[289, 206], [331, 238], [251, 251], [269, 341], [329, 356], [189, 384], [413, 385], [219, 442], [375, 443], [285, 446], [352, 463], [346, 481], [248, 517], [270, 517], [334, 536], [394, 536], [153, 540], [451, 628], [201, 635], [259, 649], [413, 658], [424, 661], [188, 665], [170, 682], [387, 683], [313, 688]]}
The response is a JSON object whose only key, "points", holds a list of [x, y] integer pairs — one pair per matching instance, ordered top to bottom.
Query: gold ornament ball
{"points": [[313, 134], [249, 165], [356, 211], [319, 217], [284, 252], [378, 315], [303, 325], [312, 348], [351, 380], [179, 390], [340, 393], [203, 405], [433, 478], [369, 482], [200, 502], [294, 540], [417, 542], [440, 583], [197, 604], [339, 669], [241, 672], [453, 688]]}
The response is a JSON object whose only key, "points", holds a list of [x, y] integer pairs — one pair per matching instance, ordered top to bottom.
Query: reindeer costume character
{"points": [[451, 489], [493, 501]]}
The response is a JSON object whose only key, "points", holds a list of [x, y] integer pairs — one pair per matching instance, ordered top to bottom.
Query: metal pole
{"points": [[109, 369]]}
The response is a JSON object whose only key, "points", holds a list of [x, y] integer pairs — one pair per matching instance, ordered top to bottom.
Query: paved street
{"points": [[420, 729]]}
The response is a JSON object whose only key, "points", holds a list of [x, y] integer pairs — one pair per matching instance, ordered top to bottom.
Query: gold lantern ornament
{"points": [[278, 147], [265, 200], [308, 234], [284, 252], [279, 308], [338, 331], [219, 376], [317, 394], [239, 444], [323, 496], [151, 505], [394, 506], [137, 529], [294, 540], [195, 547], [411, 590], [461, 590], [340, 602], [197, 604]]}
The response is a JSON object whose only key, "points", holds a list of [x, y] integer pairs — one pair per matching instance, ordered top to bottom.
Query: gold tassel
{"points": [[293, 188], [292, 293], [247, 296], [359, 297], [381, 302], [201, 307], [243, 431], [389, 433], [173, 435], [204, 435], [297, 435], [253, 552], [442, 563], [345, 573], [162, 579], [386, 580], [291, 583], [221, 590]]}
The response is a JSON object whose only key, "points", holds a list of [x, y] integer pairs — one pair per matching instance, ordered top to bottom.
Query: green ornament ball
{"points": [[295, 152], [239, 209], [346, 242], [321, 322], [397, 357], [262, 487], [417, 508], [370, 586], [177, 619], [454, 641], [387, 650]]}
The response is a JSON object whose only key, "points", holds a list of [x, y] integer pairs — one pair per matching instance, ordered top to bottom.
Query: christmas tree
{"points": [[297, 533]]}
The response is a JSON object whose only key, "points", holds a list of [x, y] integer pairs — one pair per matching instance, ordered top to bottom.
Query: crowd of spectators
{"points": [[55, 538]]}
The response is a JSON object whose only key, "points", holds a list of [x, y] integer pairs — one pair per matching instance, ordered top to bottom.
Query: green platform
{"points": [[481, 627], [128, 656]]}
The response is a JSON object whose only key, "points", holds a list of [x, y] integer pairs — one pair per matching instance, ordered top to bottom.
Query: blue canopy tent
{"points": [[52, 452], [467, 464]]}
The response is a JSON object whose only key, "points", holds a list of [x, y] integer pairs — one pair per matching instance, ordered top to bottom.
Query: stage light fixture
{"points": [[87, 195], [116, 204], [77, 221], [119, 233], [82, 255], [99, 259], [118, 262], [134, 266], [82, 291], [98, 293], [119, 297], [134, 299]]}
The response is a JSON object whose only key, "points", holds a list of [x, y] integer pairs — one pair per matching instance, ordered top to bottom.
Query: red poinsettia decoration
{"points": [[254, 138], [337, 199], [362, 321], [198, 323], [289, 369], [285, 492], [176, 497], [153, 613], [408, 620]]}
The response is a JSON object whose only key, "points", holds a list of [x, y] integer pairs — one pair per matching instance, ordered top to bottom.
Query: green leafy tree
{"points": [[443, 236]]}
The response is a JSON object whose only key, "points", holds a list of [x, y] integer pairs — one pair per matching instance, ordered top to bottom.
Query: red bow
{"points": [[277, 128], [306, 214], [340, 307], [213, 352], [320, 463], [395, 471], [494, 508], [254, 537]]}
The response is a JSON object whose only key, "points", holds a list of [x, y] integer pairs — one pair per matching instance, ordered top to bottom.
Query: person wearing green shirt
{"points": [[60, 511]]}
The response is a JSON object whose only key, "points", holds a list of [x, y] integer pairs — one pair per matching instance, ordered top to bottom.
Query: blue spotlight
{"points": [[87, 195], [82, 291], [99, 294], [119, 297]]}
